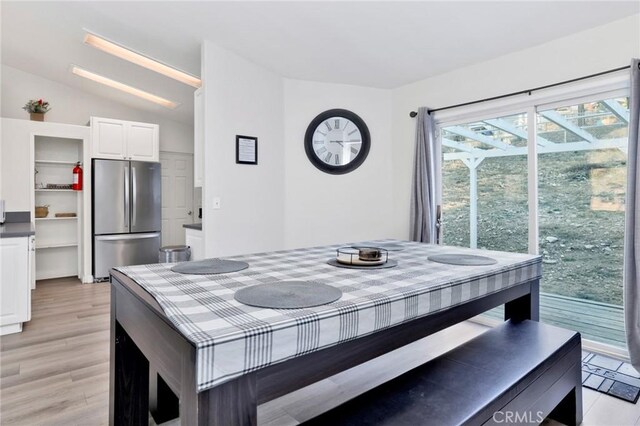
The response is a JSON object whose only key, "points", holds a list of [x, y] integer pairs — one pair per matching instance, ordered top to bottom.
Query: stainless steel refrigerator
{"points": [[126, 214]]}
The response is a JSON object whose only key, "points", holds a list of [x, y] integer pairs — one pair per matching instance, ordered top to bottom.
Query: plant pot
{"points": [[36, 116]]}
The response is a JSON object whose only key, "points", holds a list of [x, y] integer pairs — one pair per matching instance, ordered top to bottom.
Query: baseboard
{"points": [[10, 329]]}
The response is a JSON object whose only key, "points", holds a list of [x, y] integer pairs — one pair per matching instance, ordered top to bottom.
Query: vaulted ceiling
{"points": [[376, 44]]}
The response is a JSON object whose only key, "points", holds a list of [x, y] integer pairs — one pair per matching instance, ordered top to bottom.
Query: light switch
{"points": [[216, 203]]}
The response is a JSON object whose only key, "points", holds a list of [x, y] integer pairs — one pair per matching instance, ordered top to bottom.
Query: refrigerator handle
{"points": [[126, 198], [134, 201], [125, 237]]}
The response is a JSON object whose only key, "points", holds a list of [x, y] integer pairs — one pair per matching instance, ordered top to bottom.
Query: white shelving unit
{"points": [[55, 162], [38, 219], [58, 239]]}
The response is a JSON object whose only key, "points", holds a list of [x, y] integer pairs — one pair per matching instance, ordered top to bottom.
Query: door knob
{"points": [[189, 212]]}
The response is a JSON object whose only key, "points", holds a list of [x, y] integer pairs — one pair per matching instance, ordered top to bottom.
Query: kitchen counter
{"points": [[196, 226], [17, 229], [193, 238]]}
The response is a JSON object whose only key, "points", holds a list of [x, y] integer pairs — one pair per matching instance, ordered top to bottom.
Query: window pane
{"points": [[486, 161], [582, 181], [455, 203]]}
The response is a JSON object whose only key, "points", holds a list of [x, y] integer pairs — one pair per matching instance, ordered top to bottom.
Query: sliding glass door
{"points": [[581, 185], [578, 186]]}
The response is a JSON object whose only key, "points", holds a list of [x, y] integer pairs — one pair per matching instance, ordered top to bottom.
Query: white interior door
{"points": [[177, 196]]}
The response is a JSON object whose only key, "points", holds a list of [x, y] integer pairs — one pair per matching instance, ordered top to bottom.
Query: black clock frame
{"points": [[364, 150]]}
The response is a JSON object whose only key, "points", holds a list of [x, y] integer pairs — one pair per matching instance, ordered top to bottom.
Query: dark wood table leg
{"points": [[525, 307], [112, 357], [130, 384], [163, 403], [229, 404], [569, 411]]}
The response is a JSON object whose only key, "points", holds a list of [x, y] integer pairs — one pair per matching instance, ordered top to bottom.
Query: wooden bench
{"points": [[516, 373]]}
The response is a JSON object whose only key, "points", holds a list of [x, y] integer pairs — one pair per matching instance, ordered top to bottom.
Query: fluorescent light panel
{"points": [[141, 60], [123, 87]]}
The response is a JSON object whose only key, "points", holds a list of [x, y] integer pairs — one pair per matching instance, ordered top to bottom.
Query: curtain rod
{"points": [[524, 92]]}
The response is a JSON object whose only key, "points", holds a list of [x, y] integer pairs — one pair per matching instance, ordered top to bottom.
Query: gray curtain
{"points": [[427, 181], [632, 224]]}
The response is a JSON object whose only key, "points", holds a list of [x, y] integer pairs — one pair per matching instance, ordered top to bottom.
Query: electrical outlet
{"points": [[216, 203]]}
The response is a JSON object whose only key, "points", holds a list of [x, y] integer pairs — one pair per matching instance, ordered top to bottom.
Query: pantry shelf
{"points": [[62, 163], [56, 245]]}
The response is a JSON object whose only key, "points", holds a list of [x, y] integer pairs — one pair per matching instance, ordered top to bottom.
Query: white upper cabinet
{"points": [[198, 136], [109, 138], [124, 140], [142, 142]]}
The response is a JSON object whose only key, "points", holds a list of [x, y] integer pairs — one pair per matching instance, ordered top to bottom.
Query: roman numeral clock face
{"points": [[337, 141]]}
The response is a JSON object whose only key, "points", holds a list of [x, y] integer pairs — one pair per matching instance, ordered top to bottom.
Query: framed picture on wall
{"points": [[246, 150]]}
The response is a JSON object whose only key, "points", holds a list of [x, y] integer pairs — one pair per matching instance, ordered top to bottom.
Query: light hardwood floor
{"points": [[56, 371]]}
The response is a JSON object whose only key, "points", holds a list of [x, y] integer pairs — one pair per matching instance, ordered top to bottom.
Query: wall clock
{"points": [[337, 141]]}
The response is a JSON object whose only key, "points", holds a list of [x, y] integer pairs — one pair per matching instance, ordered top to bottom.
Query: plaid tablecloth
{"points": [[233, 339]]}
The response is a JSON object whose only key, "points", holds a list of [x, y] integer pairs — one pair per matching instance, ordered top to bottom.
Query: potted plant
{"points": [[37, 109]]}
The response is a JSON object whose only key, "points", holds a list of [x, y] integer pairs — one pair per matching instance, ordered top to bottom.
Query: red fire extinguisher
{"points": [[77, 178]]}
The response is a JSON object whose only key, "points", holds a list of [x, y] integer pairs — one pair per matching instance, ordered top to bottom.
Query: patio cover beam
{"points": [[617, 110], [567, 125], [509, 128], [461, 131], [620, 143], [460, 147], [472, 164]]}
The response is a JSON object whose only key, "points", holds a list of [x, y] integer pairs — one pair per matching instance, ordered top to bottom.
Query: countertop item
{"points": [[196, 226], [17, 229], [362, 256], [384, 265]]}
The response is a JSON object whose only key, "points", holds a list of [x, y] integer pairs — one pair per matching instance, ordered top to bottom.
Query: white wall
{"points": [[588, 52], [242, 98], [72, 106], [284, 201], [321, 208]]}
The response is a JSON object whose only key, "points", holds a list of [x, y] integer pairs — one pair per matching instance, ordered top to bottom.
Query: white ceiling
{"points": [[377, 44]]}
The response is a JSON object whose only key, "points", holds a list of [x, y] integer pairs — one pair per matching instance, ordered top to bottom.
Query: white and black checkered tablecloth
{"points": [[233, 339]]}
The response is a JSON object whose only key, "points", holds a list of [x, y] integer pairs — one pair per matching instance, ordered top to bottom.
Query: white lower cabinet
{"points": [[195, 240], [15, 283]]}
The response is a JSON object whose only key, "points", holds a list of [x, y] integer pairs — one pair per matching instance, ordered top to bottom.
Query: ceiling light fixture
{"points": [[141, 60], [123, 87]]}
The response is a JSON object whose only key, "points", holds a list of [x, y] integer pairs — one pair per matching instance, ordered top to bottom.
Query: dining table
{"points": [[183, 346]]}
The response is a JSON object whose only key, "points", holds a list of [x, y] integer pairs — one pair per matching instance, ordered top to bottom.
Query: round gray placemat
{"points": [[462, 259], [388, 264], [210, 266], [288, 295]]}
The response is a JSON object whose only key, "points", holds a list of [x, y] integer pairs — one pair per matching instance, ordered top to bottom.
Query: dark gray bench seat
{"points": [[515, 373]]}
